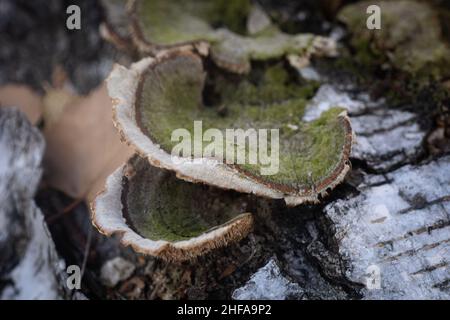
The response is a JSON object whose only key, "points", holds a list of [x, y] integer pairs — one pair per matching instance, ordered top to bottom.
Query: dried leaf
{"points": [[24, 98], [54, 103], [83, 146]]}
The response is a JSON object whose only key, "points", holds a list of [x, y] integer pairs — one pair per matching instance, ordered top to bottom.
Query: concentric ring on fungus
{"points": [[203, 26], [147, 98], [157, 214]]}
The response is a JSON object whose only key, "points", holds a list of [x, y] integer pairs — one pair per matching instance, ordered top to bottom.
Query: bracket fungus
{"points": [[232, 32], [214, 77], [157, 96], [157, 214]]}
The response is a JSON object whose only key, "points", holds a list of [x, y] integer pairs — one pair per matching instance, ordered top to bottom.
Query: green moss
{"points": [[231, 14], [177, 21], [222, 23], [166, 24], [410, 37], [237, 49], [271, 85], [172, 99], [162, 207]]}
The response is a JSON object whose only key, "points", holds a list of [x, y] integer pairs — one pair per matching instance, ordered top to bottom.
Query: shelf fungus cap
{"points": [[245, 34], [158, 96], [157, 214]]}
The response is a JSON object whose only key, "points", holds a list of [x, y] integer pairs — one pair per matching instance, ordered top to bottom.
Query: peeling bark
{"points": [[377, 126], [400, 225], [30, 268]]}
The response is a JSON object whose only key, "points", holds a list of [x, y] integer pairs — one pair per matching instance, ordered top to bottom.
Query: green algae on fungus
{"points": [[180, 21], [160, 24], [410, 36], [157, 96], [158, 214]]}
